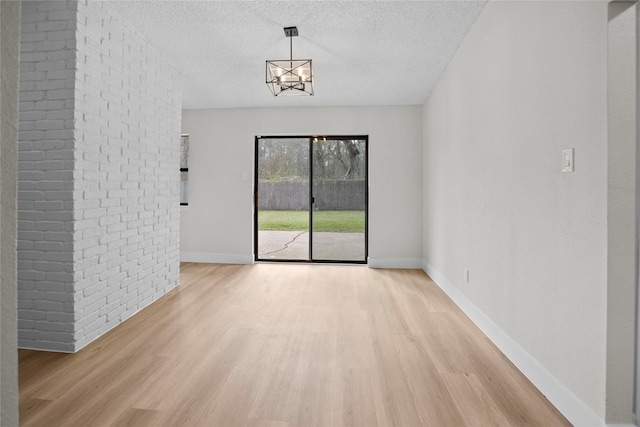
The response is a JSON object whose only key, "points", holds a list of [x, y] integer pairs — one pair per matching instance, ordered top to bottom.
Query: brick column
{"points": [[99, 174]]}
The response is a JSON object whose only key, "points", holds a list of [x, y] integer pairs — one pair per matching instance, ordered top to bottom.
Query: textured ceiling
{"points": [[363, 52]]}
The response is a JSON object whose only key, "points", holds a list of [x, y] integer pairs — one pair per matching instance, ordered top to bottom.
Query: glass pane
{"points": [[184, 151], [184, 184], [283, 198], [339, 209]]}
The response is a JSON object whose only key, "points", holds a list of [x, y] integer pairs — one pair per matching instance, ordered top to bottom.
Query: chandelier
{"points": [[287, 77]]}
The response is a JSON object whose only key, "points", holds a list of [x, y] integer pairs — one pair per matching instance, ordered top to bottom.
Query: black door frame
{"points": [[311, 139]]}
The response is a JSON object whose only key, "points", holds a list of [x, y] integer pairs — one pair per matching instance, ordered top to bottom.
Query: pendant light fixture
{"points": [[288, 77]]}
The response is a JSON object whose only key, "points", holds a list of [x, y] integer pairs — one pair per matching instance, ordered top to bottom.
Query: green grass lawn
{"points": [[336, 221]]}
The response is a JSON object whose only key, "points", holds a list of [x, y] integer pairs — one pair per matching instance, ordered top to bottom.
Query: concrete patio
{"points": [[294, 245]]}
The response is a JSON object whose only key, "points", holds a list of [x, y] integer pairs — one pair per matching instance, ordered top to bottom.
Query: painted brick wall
{"points": [[10, 77], [128, 116], [45, 171], [98, 180]]}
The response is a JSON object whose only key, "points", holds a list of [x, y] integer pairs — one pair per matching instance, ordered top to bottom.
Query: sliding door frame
{"points": [[311, 139]]}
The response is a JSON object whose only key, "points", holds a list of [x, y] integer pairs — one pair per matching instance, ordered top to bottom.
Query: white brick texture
{"points": [[45, 168], [98, 174]]}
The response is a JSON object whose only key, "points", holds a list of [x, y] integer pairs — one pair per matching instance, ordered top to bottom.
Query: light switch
{"points": [[567, 160], [245, 175]]}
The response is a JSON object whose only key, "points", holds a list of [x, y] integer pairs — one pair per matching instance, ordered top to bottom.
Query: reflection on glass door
{"points": [[311, 199]]}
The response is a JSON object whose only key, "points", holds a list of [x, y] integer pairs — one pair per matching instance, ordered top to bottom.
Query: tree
{"points": [[353, 152], [289, 159]]}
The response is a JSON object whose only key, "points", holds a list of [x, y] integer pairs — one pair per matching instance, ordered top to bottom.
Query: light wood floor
{"points": [[286, 345]]}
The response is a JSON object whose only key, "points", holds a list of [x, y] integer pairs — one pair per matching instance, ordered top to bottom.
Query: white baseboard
{"points": [[210, 258], [394, 262], [558, 394]]}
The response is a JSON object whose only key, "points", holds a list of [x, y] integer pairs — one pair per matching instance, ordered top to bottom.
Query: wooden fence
{"points": [[330, 195]]}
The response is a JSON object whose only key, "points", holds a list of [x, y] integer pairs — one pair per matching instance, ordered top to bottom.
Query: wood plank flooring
{"points": [[286, 345]]}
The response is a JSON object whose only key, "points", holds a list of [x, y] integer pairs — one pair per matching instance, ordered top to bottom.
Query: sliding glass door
{"points": [[282, 195], [311, 199], [339, 199]]}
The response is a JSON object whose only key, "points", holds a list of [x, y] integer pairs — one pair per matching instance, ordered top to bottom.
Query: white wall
{"points": [[9, 74], [529, 80], [621, 204], [217, 224]]}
